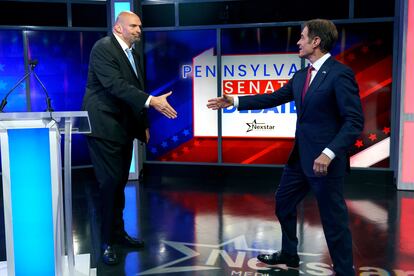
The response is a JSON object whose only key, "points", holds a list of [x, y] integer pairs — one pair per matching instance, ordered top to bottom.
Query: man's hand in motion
{"points": [[220, 102], [161, 104], [321, 164]]}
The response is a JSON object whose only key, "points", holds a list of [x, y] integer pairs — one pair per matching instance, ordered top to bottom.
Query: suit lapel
{"points": [[125, 58], [138, 66], [316, 82]]}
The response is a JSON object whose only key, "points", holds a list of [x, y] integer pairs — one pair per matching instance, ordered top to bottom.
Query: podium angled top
{"points": [[79, 119]]}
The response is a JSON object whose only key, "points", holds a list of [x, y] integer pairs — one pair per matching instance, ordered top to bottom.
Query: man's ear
{"points": [[118, 28], [316, 41]]}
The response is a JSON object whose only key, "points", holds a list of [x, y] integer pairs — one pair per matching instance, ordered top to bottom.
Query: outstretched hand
{"points": [[220, 102], [161, 104]]}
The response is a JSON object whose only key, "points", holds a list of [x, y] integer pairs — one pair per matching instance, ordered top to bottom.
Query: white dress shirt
{"points": [[124, 46]]}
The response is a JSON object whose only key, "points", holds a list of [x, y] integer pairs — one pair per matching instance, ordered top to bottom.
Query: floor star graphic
{"points": [[239, 244]]}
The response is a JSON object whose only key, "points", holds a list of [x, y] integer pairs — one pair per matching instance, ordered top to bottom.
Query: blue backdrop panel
{"points": [[63, 68], [12, 69]]}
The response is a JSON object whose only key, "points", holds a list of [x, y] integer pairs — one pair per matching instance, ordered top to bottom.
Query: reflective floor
{"points": [[200, 230]]}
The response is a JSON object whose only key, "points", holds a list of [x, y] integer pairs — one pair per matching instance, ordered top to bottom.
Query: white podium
{"points": [[35, 221]]}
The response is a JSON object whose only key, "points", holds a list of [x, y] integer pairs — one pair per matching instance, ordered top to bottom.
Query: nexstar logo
{"points": [[259, 126], [212, 257], [235, 261]]}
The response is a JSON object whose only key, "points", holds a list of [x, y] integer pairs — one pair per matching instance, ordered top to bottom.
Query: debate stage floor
{"points": [[199, 229]]}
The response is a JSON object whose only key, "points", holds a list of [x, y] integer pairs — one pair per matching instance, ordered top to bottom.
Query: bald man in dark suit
{"points": [[117, 107]]}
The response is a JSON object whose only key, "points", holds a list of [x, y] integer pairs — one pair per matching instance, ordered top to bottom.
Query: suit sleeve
{"points": [[108, 71], [262, 101], [350, 111], [145, 120]]}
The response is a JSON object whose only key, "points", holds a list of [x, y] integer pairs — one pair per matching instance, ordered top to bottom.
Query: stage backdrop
{"points": [[254, 60], [258, 60]]}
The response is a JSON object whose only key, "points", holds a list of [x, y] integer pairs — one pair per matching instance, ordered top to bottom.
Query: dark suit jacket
{"points": [[114, 96], [329, 117]]}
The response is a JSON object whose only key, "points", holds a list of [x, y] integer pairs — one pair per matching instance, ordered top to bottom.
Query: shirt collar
{"points": [[124, 46], [318, 64]]}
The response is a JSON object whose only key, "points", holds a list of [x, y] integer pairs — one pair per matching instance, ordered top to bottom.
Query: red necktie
{"points": [[307, 81]]}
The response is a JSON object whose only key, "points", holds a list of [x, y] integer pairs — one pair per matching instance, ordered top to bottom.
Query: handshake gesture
{"points": [[220, 102], [161, 104]]}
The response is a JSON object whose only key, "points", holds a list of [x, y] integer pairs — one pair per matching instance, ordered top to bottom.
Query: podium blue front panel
{"points": [[31, 200]]}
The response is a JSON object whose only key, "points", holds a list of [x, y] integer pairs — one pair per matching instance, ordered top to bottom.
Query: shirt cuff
{"points": [[236, 101], [148, 102], [329, 153]]}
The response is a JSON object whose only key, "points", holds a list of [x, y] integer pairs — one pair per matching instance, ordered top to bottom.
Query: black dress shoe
{"points": [[127, 240], [109, 256], [279, 258]]}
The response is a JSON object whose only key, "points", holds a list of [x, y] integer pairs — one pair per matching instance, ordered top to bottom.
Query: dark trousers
{"points": [[111, 162], [294, 186]]}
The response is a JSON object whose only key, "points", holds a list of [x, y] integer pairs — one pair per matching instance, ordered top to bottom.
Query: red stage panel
{"points": [[409, 69], [257, 150], [408, 152], [406, 237]]}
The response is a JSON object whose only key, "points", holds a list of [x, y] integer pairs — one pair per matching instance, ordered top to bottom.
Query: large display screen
{"points": [[258, 60]]}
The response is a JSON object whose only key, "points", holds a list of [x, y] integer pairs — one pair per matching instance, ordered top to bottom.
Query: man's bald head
{"points": [[123, 16], [128, 27]]}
